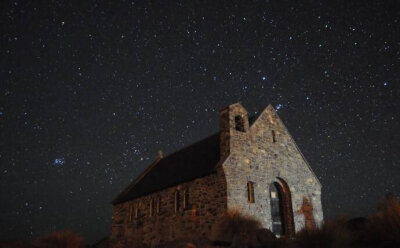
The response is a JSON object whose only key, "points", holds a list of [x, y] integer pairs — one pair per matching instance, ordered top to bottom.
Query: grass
{"points": [[233, 224], [384, 226], [233, 229], [382, 230], [331, 234], [65, 239]]}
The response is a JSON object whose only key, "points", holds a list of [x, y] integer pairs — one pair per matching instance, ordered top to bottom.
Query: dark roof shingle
{"points": [[194, 161]]}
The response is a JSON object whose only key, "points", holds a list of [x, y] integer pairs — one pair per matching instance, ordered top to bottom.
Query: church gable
{"points": [[269, 133], [263, 161], [252, 165]]}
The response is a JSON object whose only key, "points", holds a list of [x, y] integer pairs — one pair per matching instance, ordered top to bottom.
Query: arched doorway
{"points": [[281, 208]]}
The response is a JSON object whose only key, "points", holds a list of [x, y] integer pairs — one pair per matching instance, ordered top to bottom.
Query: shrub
{"points": [[233, 226], [384, 227], [330, 234], [65, 239], [14, 244]]}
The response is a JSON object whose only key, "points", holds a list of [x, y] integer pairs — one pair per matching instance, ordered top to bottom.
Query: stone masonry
{"points": [[262, 154], [256, 156], [207, 200]]}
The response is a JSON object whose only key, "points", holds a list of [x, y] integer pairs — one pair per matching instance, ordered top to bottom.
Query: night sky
{"points": [[89, 91]]}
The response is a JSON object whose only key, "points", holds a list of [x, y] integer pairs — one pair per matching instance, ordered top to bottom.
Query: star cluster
{"points": [[91, 90]]}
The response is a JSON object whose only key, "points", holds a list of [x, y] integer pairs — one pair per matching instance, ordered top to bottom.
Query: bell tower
{"points": [[234, 127]]}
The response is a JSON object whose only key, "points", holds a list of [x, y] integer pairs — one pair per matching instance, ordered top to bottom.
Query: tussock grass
{"points": [[233, 224], [384, 226], [232, 229], [382, 230], [331, 234], [65, 239], [14, 244]]}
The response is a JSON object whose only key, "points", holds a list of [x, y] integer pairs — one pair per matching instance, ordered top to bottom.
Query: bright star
{"points": [[279, 106], [59, 161]]}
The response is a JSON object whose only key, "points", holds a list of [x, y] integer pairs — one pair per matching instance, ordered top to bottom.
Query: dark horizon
{"points": [[92, 90]]}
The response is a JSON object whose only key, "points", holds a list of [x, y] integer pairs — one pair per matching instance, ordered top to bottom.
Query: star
{"points": [[96, 99], [59, 161]]}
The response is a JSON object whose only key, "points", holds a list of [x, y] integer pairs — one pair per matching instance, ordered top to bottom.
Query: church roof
{"points": [[194, 161]]}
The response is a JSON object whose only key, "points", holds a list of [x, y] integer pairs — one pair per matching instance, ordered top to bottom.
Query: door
{"points": [[277, 209]]}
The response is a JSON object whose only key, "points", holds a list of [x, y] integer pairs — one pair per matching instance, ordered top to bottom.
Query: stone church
{"points": [[252, 165]]}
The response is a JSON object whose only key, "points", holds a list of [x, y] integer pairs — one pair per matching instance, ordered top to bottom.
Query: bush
{"points": [[233, 227], [383, 229], [330, 234], [65, 239], [14, 244]]}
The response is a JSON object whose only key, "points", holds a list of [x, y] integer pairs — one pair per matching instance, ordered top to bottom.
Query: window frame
{"points": [[273, 136], [250, 192], [186, 197], [176, 201], [158, 205], [151, 208], [137, 210], [130, 218]]}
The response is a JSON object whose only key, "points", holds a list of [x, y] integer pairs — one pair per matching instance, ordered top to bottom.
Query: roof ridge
{"points": [[190, 145], [194, 160], [137, 180]]}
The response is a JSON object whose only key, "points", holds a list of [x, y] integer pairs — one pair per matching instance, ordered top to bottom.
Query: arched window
{"points": [[239, 123], [273, 136], [250, 192], [186, 199], [177, 201], [158, 205], [131, 208], [151, 208], [281, 208], [136, 210]]}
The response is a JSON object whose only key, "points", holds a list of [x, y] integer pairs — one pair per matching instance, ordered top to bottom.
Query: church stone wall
{"points": [[262, 153], [257, 156], [207, 199]]}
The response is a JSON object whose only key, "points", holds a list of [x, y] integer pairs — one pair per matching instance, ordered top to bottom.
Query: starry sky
{"points": [[90, 90]]}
